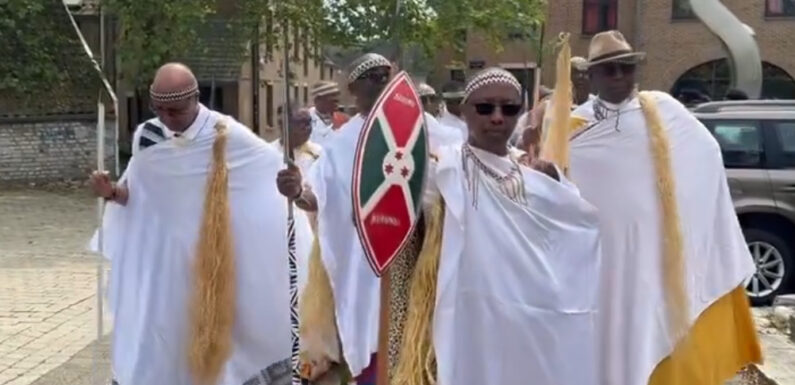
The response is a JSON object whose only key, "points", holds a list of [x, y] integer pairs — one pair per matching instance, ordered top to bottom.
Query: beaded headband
{"points": [[370, 61], [490, 76], [165, 97]]}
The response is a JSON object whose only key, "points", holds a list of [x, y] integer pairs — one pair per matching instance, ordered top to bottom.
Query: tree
{"points": [[429, 24], [154, 31], [42, 65]]}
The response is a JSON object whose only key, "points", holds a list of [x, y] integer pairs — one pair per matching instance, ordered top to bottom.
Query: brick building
{"points": [[681, 52]]}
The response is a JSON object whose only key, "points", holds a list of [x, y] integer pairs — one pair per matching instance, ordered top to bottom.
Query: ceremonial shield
{"points": [[389, 173]]}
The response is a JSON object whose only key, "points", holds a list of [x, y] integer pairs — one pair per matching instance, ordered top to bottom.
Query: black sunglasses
{"points": [[612, 69], [375, 77], [489, 108]]}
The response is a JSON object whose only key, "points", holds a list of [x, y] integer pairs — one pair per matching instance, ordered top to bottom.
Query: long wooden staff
{"points": [[106, 87], [288, 160]]}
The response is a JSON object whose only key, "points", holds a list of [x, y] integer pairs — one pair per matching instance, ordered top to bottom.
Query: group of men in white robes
{"points": [[621, 264]]}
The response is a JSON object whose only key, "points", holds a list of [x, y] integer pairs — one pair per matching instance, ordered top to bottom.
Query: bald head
{"points": [[173, 78], [174, 96]]}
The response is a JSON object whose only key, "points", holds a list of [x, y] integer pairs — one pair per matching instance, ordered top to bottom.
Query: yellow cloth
{"points": [[721, 342]]}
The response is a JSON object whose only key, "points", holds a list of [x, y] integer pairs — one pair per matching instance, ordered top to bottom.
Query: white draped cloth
{"points": [[451, 120], [322, 132], [440, 134], [304, 156], [611, 164], [152, 242], [356, 288], [516, 291]]}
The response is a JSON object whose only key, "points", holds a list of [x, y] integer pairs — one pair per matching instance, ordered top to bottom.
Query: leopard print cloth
{"points": [[400, 279]]}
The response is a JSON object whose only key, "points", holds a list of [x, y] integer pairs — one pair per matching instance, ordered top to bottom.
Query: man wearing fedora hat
{"points": [[672, 305]]}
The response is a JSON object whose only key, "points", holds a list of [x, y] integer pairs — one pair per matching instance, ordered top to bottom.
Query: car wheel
{"points": [[774, 266]]}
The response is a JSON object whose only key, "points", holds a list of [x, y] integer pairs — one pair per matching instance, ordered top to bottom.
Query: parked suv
{"points": [[758, 143]]}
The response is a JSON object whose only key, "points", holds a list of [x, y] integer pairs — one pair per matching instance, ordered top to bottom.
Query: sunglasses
{"points": [[613, 69], [375, 77], [506, 109]]}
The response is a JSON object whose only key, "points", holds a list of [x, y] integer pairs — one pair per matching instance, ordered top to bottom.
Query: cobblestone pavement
{"points": [[47, 281], [47, 296], [777, 349]]}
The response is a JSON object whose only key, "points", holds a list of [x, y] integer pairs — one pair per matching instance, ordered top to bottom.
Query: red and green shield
{"points": [[389, 173]]}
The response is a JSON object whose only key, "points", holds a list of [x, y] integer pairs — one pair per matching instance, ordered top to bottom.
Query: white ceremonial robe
{"points": [[451, 120], [322, 132], [440, 134], [305, 156], [611, 164], [152, 242], [356, 288], [516, 291]]}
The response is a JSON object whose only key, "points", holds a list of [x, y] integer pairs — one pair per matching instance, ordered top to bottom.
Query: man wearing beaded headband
{"points": [[669, 232], [503, 289], [342, 290], [194, 299]]}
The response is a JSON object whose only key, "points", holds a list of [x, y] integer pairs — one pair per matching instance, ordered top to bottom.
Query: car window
{"points": [[785, 132], [740, 142]]}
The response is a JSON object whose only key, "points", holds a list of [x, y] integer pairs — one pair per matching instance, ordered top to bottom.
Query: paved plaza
{"points": [[47, 282], [48, 302]]}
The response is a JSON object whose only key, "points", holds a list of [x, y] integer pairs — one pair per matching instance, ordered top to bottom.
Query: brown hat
{"points": [[611, 46]]}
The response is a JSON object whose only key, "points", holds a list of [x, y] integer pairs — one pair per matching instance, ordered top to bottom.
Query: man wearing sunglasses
{"points": [[305, 151], [196, 232], [503, 291], [672, 303]]}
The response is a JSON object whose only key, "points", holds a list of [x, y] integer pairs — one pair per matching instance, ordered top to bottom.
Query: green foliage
{"points": [[430, 24], [155, 31], [152, 32], [40, 56]]}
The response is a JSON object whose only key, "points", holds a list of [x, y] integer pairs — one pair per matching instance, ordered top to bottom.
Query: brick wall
{"points": [[674, 46], [49, 151]]}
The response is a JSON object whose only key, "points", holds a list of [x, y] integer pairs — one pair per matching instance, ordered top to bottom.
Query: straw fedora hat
{"points": [[611, 46]]}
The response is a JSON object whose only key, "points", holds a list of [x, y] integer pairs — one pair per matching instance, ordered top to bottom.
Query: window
{"points": [[779, 8], [682, 10], [599, 16], [296, 43], [306, 58], [322, 72], [457, 75], [712, 80], [295, 94], [306, 95], [212, 97], [269, 105], [785, 133], [740, 142]]}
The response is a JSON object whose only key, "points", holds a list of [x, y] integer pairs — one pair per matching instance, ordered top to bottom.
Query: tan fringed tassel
{"points": [[556, 136], [673, 262], [213, 304], [316, 310], [417, 365]]}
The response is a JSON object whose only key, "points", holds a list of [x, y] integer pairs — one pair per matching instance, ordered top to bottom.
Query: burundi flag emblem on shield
{"points": [[389, 173]]}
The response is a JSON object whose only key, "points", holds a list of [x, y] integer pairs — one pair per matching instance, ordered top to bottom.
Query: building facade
{"points": [[682, 53]]}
